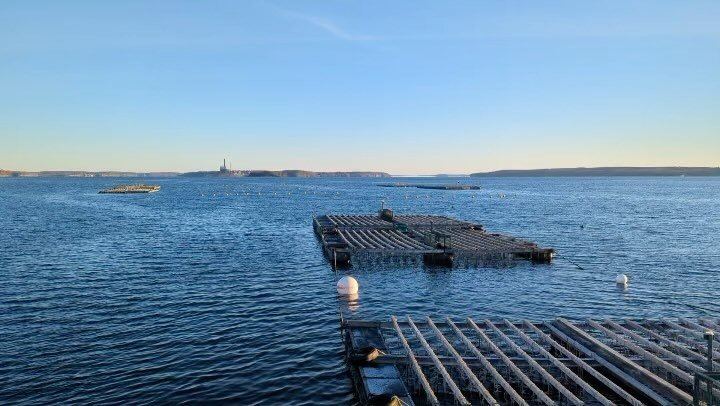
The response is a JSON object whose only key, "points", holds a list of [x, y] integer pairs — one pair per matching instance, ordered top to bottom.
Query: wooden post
{"points": [[709, 335]]}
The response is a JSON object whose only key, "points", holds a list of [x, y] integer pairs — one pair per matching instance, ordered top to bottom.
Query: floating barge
{"points": [[434, 186], [131, 189], [438, 240], [499, 362]]}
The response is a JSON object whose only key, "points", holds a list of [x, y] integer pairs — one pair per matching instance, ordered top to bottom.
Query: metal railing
{"points": [[705, 382], [703, 389]]}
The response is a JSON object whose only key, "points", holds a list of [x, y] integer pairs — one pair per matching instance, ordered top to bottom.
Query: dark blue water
{"points": [[216, 289]]}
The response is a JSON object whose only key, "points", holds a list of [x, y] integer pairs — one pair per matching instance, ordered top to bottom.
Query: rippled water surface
{"points": [[217, 290]]}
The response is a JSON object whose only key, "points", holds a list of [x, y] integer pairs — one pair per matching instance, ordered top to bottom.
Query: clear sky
{"points": [[408, 87]]}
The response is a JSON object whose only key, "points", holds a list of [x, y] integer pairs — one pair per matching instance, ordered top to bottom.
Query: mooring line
{"points": [[570, 261], [705, 309]]}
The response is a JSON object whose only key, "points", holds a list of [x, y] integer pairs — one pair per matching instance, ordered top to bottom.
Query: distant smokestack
{"points": [[224, 163]]}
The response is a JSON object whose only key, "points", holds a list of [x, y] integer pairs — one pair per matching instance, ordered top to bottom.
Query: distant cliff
{"points": [[607, 171]]}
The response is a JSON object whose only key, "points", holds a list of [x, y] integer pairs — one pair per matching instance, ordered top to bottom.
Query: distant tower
{"points": [[223, 168]]}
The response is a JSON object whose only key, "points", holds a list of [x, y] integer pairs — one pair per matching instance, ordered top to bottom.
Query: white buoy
{"points": [[621, 279], [347, 285]]}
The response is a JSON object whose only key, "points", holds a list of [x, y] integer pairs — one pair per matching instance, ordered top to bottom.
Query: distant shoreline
{"points": [[603, 171], [550, 172], [292, 173], [201, 174]]}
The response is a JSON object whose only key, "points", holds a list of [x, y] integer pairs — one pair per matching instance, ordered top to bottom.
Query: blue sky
{"points": [[412, 87]]}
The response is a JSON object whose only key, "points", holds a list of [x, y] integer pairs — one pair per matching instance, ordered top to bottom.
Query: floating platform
{"points": [[432, 186], [123, 189], [437, 239], [499, 362]]}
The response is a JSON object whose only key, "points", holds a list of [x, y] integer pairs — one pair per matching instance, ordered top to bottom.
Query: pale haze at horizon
{"points": [[403, 87]]}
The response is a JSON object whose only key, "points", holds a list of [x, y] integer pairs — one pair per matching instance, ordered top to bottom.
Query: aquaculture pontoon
{"points": [[431, 186], [124, 189], [437, 239], [499, 362]]}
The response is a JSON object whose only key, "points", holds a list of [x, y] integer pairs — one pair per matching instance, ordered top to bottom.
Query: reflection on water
{"points": [[349, 304]]}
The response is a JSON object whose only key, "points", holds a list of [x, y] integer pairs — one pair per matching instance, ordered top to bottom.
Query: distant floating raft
{"points": [[432, 186], [123, 189], [438, 239], [499, 362]]}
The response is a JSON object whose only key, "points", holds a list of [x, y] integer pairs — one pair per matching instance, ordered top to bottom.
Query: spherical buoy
{"points": [[621, 279], [347, 285]]}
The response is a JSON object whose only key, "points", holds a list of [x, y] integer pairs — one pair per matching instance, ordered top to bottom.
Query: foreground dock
{"points": [[438, 240], [499, 362]]}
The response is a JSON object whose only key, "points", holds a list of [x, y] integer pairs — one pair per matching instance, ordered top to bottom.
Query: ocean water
{"points": [[216, 290]]}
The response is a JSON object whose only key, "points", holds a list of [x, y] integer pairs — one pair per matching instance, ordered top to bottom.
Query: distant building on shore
{"points": [[224, 168]]}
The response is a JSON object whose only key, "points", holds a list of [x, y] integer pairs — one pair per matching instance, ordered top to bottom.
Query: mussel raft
{"points": [[131, 189], [439, 240], [426, 361]]}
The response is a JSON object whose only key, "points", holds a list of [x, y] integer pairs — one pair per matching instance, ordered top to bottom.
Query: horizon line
{"points": [[175, 172]]}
